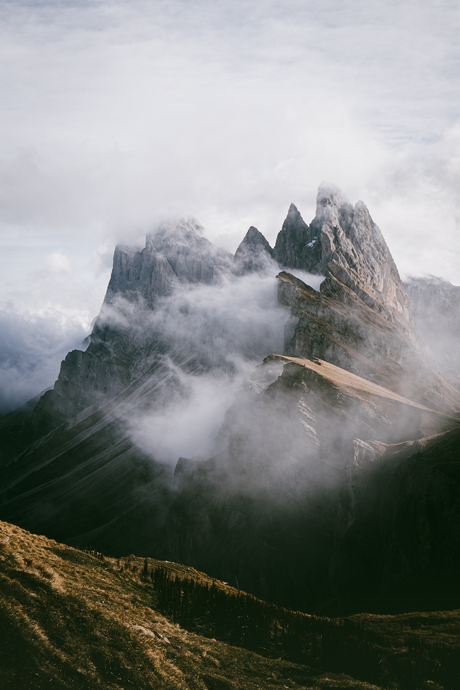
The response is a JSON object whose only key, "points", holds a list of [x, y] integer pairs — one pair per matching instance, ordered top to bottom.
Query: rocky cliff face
{"points": [[343, 241], [175, 253], [253, 254], [437, 317], [336, 325], [311, 451]]}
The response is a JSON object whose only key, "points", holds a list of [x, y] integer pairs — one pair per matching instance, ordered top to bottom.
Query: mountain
{"points": [[343, 241], [253, 254], [436, 305], [272, 418]]}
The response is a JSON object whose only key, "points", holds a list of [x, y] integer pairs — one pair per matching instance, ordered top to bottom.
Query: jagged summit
{"points": [[331, 204], [293, 211], [175, 231], [255, 237], [344, 244], [289, 250], [175, 252], [253, 254]]}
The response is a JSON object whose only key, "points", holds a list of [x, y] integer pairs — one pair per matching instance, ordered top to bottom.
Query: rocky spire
{"points": [[332, 206], [291, 240], [343, 241], [354, 251], [176, 252], [253, 254]]}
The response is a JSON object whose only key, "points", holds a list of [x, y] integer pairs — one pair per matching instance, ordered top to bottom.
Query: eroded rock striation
{"points": [[343, 241]]}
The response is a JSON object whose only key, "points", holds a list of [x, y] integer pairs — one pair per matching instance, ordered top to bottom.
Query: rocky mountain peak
{"points": [[332, 205], [293, 212], [184, 231], [254, 237], [291, 240], [343, 241], [354, 251], [175, 252], [253, 254]]}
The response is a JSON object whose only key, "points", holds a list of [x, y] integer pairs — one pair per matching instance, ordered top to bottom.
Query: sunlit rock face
{"points": [[343, 241]]}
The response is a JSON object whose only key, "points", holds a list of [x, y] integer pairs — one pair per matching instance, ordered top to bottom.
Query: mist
{"points": [[217, 335], [209, 338], [31, 350]]}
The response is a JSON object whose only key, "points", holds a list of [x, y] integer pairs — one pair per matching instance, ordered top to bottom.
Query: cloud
{"points": [[219, 110], [117, 114], [416, 201], [56, 264], [215, 335], [31, 350], [188, 428]]}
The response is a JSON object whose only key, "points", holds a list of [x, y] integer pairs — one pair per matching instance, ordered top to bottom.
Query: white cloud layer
{"points": [[116, 114], [31, 348]]}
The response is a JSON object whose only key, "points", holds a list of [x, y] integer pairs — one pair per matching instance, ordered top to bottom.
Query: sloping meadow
{"points": [[76, 619]]}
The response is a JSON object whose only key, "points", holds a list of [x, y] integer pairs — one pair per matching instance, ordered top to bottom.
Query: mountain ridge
{"points": [[295, 452]]}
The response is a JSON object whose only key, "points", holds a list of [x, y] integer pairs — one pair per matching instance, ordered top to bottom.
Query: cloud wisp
{"points": [[120, 113], [225, 330], [31, 349]]}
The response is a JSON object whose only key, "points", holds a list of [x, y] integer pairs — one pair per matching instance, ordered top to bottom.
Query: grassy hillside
{"points": [[73, 619]]}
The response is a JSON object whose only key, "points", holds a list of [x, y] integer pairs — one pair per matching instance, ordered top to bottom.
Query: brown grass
{"points": [[69, 619], [72, 619]]}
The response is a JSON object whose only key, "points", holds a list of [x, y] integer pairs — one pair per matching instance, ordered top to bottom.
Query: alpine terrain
{"points": [[286, 419]]}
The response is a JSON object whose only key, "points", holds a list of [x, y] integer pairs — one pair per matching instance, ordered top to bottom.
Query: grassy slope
{"points": [[69, 619]]}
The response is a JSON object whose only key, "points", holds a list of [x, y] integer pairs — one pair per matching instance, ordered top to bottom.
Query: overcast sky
{"points": [[115, 114]]}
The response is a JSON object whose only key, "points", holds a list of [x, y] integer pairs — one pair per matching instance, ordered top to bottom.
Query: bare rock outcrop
{"points": [[343, 241], [176, 252], [253, 254], [436, 304], [335, 325]]}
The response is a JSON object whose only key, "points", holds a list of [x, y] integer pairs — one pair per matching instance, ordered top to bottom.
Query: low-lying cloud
{"points": [[225, 330], [31, 350]]}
